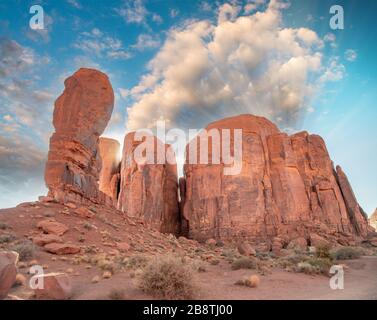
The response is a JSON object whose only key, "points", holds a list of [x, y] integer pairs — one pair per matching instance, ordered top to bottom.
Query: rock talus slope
{"points": [[287, 188]]}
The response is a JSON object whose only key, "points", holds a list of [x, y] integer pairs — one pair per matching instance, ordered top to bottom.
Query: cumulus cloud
{"points": [[135, 12], [41, 34], [146, 41], [97, 43], [351, 55], [241, 64], [25, 123], [21, 169]]}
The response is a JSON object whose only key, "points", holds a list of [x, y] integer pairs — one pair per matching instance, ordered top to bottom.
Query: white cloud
{"points": [[75, 4], [205, 6], [136, 12], [174, 13], [157, 18], [41, 34], [331, 39], [146, 41], [101, 45], [351, 55], [242, 64], [334, 72]]}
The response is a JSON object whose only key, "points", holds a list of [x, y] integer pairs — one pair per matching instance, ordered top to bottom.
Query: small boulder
{"points": [[84, 212], [52, 227], [44, 239], [318, 241], [211, 243], [298, 244], [277, 245], [123, 246], [61, 248], [246, 249], [8, 271], [56, 286]]}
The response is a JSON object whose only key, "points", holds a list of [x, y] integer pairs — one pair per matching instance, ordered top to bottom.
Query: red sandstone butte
{"points": [[80, 116], [109, 175], [287, 188], [149, 190], [373, 220]]}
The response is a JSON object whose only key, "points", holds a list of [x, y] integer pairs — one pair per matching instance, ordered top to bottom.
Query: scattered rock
{"points": [[71, 205], [84, 212], [53, 227], [44, 239], [318, 241], [211, 243], [298, 243], [123, 246], [61, 248], [246, 249], [8, 271], [107, 275], [96, 279], [20, 280], [56, 286]]}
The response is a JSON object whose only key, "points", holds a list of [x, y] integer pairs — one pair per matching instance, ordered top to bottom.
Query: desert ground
{"points": [[114, 250]]}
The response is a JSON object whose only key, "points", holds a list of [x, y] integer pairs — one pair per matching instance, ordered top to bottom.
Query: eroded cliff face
{"points": [[80, 116], [109, 178], [287, 188], [149, 190], [373, 220]]}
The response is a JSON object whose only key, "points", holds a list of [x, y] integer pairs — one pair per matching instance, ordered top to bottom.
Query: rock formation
{"points": [[80, 116], [109, 175], [287, 189], [149, 190], [373, 220], [8, 271]]}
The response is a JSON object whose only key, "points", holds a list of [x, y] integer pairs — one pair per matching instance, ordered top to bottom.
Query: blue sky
{"points": [[152, 47]]}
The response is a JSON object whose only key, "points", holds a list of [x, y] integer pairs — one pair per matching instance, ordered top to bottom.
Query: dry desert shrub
{"points": [[4, 226], [6, 238], [25, 249], [323, 251], [347, 253], [136, 262], [245, 263], [315, 266], [168, 278], [252, 281], [116, 294]]}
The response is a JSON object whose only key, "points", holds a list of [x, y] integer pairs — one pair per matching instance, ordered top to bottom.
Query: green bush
{"points": [[168, 278]]}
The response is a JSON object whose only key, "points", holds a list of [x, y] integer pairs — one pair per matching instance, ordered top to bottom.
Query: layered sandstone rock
{"points": [[80, 116], [109, 175], [287, 188], [148, 189], [373, 220], [8, 271]]}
